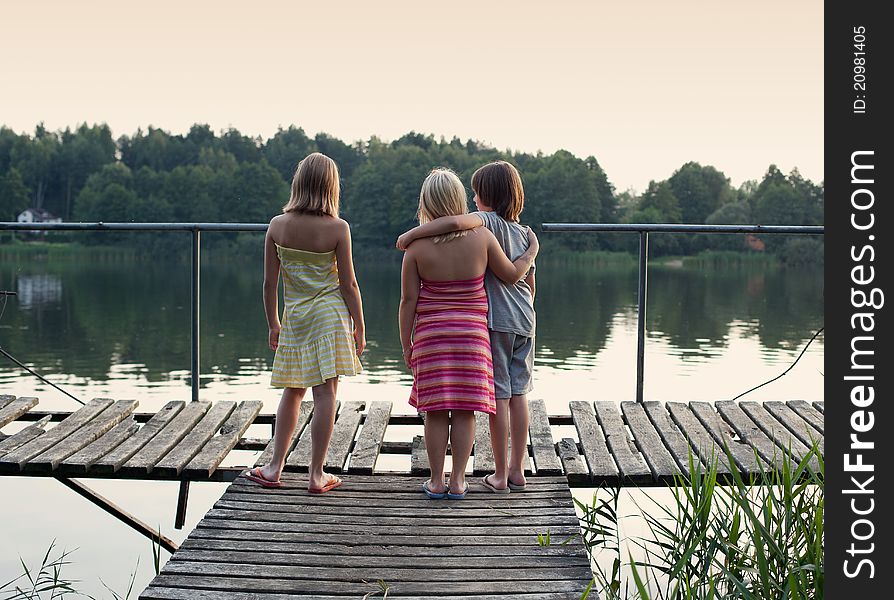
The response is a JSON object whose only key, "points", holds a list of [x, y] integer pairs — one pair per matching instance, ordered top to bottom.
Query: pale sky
{"points": [[644, 86]]}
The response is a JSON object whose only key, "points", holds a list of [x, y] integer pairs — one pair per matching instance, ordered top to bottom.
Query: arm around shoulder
{"points": [[439, 226], [509, 272]]}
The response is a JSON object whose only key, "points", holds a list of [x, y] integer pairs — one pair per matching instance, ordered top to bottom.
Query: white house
{"points": [[37, 215]]}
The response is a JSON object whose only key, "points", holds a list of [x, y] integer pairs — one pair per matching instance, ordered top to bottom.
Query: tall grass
{"points": [[759, 538], [46, 581]]}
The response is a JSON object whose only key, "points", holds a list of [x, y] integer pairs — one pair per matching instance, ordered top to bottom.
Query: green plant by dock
{"points": [[717, 539]]}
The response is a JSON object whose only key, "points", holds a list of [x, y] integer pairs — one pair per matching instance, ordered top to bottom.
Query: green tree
{"points": [[286, 148], [83, 152], [35, 161], [562, 188], [699, 190], [256, 194], [14, 195], [383, 195], [659, 205]]}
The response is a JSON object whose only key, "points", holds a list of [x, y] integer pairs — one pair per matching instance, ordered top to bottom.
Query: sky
{"points": [[644, 86]]}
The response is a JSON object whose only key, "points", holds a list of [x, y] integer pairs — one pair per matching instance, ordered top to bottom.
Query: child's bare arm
{"points": [[439, 226], [511, 272], [530, 281], [271, 284], [347, 284], [409, 296]]}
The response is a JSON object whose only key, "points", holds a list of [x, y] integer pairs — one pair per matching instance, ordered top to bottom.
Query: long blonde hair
{"points": [[315, 187], [442, 195]]}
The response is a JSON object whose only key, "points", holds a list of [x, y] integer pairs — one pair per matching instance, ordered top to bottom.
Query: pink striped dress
{"points": [[451, 359]]}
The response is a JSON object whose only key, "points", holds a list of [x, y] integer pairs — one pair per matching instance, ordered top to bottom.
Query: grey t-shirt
{"points": [[511, 307]]}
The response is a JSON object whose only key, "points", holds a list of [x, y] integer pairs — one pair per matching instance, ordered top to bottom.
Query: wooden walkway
{"points": [[627, 444], [273, 544]]}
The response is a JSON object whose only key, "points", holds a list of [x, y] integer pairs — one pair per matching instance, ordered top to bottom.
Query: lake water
{"points": [[121, 330]]}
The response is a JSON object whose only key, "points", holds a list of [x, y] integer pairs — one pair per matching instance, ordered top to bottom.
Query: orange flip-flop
{"points": [[258, 477], [333, 483]]}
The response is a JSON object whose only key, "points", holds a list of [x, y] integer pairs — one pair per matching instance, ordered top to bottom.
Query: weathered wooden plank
{"points": [[5, 399], [820, 406], [15, 408], [304, 413], [808, 413], [799, 426], [749, 432], [777, 432], [343, 433], [24, 436], [671, 436], [697, 437], [646, 438], [163, 441], [191, 444], [542, 444], [216, 449], [366, 450], [743, 454], [299, 457], [419, 457], [16, 459], [50, 459], [599, 460], [483, 461], [629, 461], [79, 462], [111, 462], [573, 462], [296, 483], [410, 496], [420, 505], [418, 518], [250, 521], [219, 530], [384, 549], [203, 553], [287, 558], [464, 575], [350, 587], [168, 593]]}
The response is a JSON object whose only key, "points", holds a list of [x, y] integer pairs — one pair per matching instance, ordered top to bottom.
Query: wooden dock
{"points": [[629, 443], [378, 530], [273, 544]]}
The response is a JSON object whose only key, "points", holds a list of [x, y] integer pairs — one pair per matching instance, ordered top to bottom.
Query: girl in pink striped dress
{"points": [[443, 328]]}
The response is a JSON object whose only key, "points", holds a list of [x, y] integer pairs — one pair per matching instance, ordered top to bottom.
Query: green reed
{"points": [[721, 536]]}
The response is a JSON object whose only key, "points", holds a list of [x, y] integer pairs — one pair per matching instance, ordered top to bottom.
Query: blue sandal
{"points": [[426, 487], [451, 496]]}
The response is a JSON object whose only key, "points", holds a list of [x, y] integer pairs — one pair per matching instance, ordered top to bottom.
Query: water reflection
{"points": [[88, 323]]}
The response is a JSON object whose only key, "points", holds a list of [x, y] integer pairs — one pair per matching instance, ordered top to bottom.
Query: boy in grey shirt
{"points": [[499, 197]]}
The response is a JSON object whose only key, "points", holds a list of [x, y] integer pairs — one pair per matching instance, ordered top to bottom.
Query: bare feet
{"points": [[270, 472], [516, 479], [323, 483], [495, 484], [457, 485]]}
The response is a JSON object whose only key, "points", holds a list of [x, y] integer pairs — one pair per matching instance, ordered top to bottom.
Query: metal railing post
{"points": [[196, 268], [641, 312], [183, 494]]}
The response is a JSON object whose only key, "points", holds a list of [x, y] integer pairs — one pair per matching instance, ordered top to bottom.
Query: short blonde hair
{"points": [[315, 187], [442, 195]]}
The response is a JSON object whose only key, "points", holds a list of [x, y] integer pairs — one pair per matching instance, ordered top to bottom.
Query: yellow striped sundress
{"points": [[316, 341]]}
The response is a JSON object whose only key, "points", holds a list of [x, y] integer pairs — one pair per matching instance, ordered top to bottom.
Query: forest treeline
{"points": [[86, 174]]}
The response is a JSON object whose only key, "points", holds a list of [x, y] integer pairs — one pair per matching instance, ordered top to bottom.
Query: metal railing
{"points": [[644, 230]]}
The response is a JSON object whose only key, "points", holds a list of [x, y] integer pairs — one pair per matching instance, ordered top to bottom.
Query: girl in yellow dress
{"points": [[322, 332]]}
